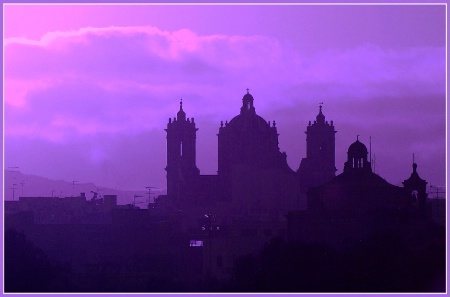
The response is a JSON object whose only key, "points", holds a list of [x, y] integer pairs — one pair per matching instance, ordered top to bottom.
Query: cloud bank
{"points": [[118, 82]]}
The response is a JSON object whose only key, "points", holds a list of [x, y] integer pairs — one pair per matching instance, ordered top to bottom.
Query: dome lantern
{"points": [[357, 157]]}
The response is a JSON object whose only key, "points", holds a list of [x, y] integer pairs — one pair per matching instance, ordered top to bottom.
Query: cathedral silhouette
{"points": [[252, 172], [253, 175], [256, 196]]}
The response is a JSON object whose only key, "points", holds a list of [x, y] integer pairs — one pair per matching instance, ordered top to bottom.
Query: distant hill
{"points": [[36, 186]]}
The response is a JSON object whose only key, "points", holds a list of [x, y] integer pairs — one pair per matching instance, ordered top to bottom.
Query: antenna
{"points": [[370, 150], [413, 159], [374, 163], [73, 186], [149, 192], [134, 199]]}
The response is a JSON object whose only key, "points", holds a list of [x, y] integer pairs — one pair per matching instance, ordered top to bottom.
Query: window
{"points": [[196, 243]]}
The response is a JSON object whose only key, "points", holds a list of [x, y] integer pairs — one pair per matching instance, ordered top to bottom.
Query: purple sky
{"points": [[89, 89]]}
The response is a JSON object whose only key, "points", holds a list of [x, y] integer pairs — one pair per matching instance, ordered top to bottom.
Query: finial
{"points": [[247, 90], [181, 104], [320, 106], [357, 137], [413, 159]]}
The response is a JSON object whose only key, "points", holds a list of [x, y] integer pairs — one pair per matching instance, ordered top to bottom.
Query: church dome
{"points": [[247, 96], [248, 122], [357, 149], [357, 158]]}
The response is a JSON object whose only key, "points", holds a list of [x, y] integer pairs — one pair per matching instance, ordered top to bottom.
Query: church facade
{"points": [[253, 176]]}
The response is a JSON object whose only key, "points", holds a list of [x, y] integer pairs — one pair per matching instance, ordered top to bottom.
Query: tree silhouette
{"points": [[382, 262], [28, 269]]}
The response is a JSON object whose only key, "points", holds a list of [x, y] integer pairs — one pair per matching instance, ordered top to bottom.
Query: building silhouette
{"points": [[181, 155], [319, 165], [253, 174], [256, 196], [357, 203]]}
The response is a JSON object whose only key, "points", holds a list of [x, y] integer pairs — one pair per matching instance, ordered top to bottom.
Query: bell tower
{"points": [[181, 154], [319, 165]]}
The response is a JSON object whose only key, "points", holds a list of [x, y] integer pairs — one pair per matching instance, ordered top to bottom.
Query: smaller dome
{"points": [[248, 97], [247, 104], [357, 148]]}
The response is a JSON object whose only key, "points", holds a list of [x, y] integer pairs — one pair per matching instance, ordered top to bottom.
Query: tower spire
{"points": [[181, 115], [320, 118]]}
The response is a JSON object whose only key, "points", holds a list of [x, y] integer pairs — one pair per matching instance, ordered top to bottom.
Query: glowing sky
{"points": [[89, 89]]}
